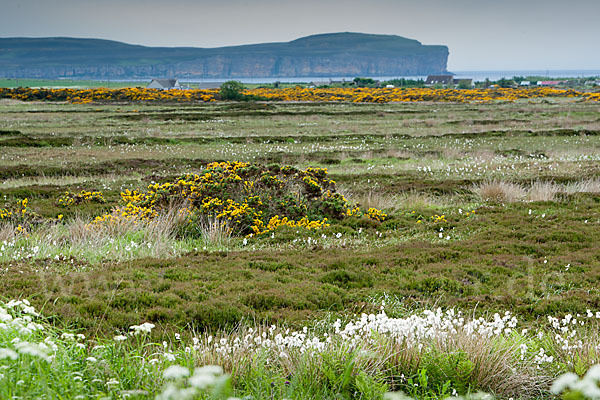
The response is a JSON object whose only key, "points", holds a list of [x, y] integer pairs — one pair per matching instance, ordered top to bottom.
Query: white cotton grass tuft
{"points": [[146, 327], [32, 349], [8, 353], [176, 372], [205, 376], [202, 379], [564, 382], [586, 386]]}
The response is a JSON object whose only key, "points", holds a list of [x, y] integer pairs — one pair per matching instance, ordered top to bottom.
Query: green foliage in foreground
{"points": [[438, 356]]}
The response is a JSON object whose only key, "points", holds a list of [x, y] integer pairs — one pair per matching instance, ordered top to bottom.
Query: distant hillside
{"points": [[335, 54]]}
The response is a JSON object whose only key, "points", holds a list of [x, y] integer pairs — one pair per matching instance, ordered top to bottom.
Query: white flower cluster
{"points": [[17, 321], [146, 327], [565, 330], [414, 331], [183, 386], [588, 386]]}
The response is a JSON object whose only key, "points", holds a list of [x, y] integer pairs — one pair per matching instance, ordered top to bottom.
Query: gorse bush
{"points": [[84, 196], [250, 199], [20, 216]]}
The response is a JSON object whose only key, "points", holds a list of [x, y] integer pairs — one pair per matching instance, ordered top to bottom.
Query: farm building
{"points": [[439, 79], [447, 80], [549, 83], [164, 84]]}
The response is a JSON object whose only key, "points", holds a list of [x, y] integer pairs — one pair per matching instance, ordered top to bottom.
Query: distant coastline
{"points": [[323, 55], [477, 76]]}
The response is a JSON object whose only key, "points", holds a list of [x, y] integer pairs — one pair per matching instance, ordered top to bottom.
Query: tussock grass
{"points": [[585, 186], [500, 191], [543, 191], [508, 192], [373, 199], [7, 232]]}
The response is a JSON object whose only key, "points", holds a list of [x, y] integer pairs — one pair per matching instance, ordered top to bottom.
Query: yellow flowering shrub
{"points": [[85, 196], [251, 199], [20, 214]]}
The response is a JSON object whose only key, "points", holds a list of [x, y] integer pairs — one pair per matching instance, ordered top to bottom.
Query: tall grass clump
{"points": [[585, 186], [500, 191], [543, 191]]}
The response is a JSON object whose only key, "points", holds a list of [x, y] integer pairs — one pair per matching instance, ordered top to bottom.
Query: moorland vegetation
{"points": [[303, 250]]}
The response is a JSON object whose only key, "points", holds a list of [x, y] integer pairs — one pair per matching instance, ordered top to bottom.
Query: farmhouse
{"points": [[439, 79], [448, 80], [164, 84]]}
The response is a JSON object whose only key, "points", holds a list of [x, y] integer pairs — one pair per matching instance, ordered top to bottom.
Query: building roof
{"points": [[443, 79], [165, 83]]}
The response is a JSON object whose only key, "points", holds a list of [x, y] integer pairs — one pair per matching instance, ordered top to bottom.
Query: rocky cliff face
{"points": [[344, 54]]}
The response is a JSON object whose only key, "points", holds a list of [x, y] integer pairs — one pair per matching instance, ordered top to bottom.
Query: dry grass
{"points": [[452, 153], [400, 154], [484, 155], [64, 180], [587, 186], [500, 191], [543, 191], [507, 192], [371, 199], [214, 231], [7, 232], [495, 369]]}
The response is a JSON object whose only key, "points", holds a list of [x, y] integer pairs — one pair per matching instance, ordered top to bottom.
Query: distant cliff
{"points": [[326, 55]]}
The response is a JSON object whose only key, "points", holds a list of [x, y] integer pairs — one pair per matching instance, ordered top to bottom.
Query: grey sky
{"points": [[481, 34]]}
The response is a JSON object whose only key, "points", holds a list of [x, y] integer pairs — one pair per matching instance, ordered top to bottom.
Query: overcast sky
{"points": [[481, 34]]}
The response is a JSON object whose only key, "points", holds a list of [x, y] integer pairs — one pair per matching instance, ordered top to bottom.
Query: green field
{"points": [[490, 208]]}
